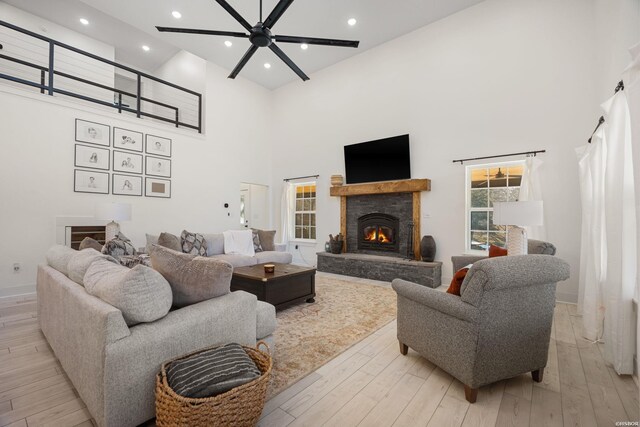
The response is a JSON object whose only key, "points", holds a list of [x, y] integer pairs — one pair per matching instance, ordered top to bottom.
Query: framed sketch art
{"points": [[93, 133], [127, 139], [158, 145], [92, 157], [127, 162], [157, 166], [90, 182], [126, 185], [155, 187]]}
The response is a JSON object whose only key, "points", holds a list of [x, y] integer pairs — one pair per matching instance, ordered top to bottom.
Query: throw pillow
{"points": [[267, 239], [151, 240], [170, 241], [88, 242], [193, 243], [215, 244], [119, 246], [257, 247], [495, 251], [58, 257], [82, 260], [131, 261], [192, 278], [456, 282], [140, 293], [212, 372]]}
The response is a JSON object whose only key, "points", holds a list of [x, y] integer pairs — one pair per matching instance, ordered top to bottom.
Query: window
{"points": [[487, 184], [305, 211]]}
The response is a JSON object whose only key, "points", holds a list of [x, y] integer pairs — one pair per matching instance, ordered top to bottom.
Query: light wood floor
{"points": [[369, 384]]}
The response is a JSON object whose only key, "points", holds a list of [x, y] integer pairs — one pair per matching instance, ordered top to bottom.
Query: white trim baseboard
{"points": [[17, 291]]}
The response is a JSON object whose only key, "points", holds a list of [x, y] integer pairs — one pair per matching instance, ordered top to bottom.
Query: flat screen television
{"points": [[380, 160]]}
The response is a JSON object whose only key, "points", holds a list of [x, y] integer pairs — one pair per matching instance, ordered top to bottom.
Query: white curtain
{"points": [[530, 189], [286, 212], [609, 282]]}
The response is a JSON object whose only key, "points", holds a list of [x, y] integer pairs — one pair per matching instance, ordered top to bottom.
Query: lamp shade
{"points": [[114, 211], [518, 213]]}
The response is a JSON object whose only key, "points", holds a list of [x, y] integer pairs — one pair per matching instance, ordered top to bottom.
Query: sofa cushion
{"points": [[267, 238], [151, 240], [170, 241], [88, 242], [193, 243], [215, 244], [119, 246], [257, 247], [540, 247], [273, 256], [58, 257], [236, 260], [80, 262], [192, 278], [140, 293], [265, 319], [212, 371]]}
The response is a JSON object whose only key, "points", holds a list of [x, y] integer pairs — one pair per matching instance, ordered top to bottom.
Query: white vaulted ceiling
{"points": [[127, 24]]}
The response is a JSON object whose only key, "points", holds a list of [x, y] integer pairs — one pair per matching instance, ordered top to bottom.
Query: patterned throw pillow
{"points": [[193, 243], [119, 246], [257, 247], [131, 261]]}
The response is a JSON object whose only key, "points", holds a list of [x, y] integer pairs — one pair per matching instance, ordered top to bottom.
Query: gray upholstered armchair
{"points": [[537, 247], [498, 328]]}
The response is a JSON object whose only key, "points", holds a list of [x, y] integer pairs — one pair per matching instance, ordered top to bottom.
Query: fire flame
{"points": [[376, 234]]}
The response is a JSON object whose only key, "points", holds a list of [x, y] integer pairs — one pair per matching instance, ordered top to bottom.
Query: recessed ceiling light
{"points": [[176, 14], [84, 21], [352, 21], [227, 43], [304, 46], [146, 48], [267, 65]]}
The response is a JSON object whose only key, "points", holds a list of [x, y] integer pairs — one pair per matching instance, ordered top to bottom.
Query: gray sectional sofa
{"points": [[113, 365]]}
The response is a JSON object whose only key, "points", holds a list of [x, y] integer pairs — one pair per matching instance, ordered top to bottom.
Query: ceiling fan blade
{"points": [[277, 12], [235, 14], [204, 32], [315, 40], [247, 56], [288, 61]]}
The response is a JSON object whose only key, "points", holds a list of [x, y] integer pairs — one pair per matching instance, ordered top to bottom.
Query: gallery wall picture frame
{"points": [[93, 133], [126, 139], [157, 145], [91, 157], [127, 162], [157, 166], [85, 181], [126, 185], [156, 187]]}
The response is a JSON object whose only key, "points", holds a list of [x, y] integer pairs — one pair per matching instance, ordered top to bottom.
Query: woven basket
{"points": [[240, 406]]}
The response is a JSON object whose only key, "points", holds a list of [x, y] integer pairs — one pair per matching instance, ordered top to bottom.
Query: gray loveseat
{"points": [[534, 247], [498, 328], [112, 365]]}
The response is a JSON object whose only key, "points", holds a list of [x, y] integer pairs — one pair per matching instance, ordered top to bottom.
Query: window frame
{"points": [[468, 209], [294, 212]]}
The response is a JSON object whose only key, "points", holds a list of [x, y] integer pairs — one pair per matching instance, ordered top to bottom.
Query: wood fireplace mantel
{"points": [[414, 186]]}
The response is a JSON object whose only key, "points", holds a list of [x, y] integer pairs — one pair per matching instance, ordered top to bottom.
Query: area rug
{"points": [[310, 335]]}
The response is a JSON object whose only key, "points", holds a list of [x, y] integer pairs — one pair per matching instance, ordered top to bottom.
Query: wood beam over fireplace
{"points": [[404, 186], [415, 186]]}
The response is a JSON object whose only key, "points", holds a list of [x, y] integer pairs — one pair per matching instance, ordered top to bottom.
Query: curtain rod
{"points": [[500, 155], [301, 177]]}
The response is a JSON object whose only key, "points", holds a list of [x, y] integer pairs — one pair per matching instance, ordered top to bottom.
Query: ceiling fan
{"points": [[260, 36]]}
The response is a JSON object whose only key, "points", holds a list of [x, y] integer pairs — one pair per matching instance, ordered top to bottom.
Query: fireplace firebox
{"points": [[378, 231]]}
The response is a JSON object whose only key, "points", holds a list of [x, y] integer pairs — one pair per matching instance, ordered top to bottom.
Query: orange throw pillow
{"points": [[495, 251], [456, 282]]}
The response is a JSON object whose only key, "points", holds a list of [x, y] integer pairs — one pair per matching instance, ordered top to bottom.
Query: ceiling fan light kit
{"points": [[260, 35]]}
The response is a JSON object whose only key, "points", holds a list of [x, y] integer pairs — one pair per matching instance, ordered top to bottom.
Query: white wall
{"points": [[33, 50], [503, 76], [36, 180]]}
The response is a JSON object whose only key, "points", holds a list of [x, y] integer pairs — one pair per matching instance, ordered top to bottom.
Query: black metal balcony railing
{"points": [[48, 76]]}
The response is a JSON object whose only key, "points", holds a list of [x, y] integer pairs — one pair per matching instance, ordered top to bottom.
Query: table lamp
{"points": [[114, 212], [515, 215]]}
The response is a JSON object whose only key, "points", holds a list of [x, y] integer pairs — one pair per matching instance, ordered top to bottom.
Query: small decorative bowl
{"points": [[269, 268]]}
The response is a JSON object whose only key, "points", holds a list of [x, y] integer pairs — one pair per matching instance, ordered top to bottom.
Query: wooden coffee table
{"points": [[288, 284]]}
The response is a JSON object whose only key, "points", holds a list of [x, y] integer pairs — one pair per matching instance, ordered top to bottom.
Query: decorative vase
{"points": [[337, 180], [336, 246], [428, 249]]}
